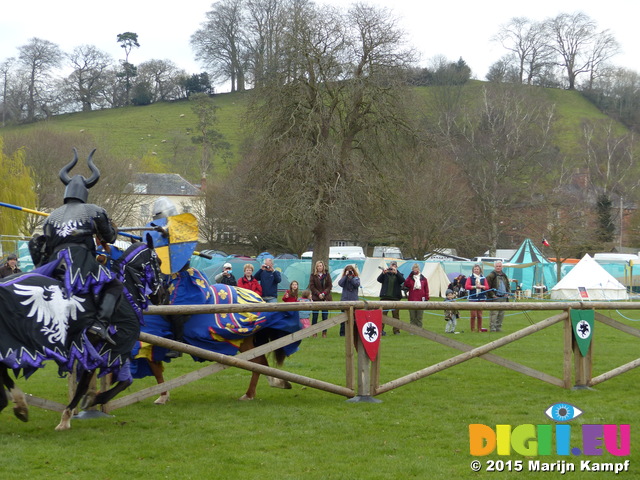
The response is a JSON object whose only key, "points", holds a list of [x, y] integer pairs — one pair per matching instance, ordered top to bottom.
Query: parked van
{"points": [[387, 252], [342, 253], [488, 259]]}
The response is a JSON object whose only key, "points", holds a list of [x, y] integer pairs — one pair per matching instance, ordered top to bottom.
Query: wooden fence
{"points": [[362, 379]]}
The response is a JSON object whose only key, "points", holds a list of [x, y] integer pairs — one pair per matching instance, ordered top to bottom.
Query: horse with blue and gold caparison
{"points": [[226, 333]]}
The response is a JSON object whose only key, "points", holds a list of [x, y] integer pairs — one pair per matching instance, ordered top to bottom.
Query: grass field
{"points": [[418, 431]]}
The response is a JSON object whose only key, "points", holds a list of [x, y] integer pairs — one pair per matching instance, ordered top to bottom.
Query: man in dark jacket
{"points": [[10, 267], [269, 279], [391, 290], [499, 291]]}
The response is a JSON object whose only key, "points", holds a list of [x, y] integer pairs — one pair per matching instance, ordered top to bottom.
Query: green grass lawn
{"points": [[418, 431]]}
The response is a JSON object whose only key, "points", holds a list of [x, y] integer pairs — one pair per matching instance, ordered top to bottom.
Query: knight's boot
{"points": [[100, 327]]}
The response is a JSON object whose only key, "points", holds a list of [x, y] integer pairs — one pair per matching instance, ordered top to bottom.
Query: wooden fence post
{"points": [[349, 350], [568, 351], [365, 387]]}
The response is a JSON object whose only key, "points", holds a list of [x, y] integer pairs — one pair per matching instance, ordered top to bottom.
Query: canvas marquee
{"points": [[588, 280]]}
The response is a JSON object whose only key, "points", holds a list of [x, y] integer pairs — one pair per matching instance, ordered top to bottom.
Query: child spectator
{"points": [[292, 294], [305, 314], [451, 315]]}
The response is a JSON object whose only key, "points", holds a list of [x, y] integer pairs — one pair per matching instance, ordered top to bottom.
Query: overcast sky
{"points": [[454, 29]]}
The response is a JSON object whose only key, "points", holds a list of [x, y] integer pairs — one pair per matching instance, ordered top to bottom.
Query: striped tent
{"points": [[528, 253], [527, 256]]}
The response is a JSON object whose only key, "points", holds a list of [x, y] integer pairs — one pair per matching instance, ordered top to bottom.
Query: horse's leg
{"points": [[157, 370], [255, 376], [278, 382], [81, 390], [105, 397], [20, 408]]}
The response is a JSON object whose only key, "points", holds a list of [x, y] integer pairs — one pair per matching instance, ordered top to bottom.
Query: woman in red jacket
{"points": [[248, 281], [418, 292]]}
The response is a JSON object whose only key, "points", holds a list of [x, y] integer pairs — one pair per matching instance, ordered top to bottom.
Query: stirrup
{"points": [[101, 332]]}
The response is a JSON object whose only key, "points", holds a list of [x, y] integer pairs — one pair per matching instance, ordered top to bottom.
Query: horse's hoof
{"points": [[279, 383], [245, 398], [162, 399], [21, 414], [65, 420]]}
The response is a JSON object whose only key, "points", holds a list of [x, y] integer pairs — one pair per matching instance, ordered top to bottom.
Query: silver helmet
{"points": [[163, 208]]}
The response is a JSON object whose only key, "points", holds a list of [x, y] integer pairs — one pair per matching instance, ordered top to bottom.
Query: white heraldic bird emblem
{"points": [[51, 308]]}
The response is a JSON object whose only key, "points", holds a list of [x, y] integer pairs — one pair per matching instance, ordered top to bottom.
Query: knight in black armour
{"points": [[69, 235]]}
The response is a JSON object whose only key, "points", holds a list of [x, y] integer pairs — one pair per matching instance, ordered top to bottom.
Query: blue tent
{"points": [[528, 253], [529, 267]]}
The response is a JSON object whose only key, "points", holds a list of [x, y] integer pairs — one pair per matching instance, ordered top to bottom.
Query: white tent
{"points": [[437, 278], [589, 281], [370, 287]]}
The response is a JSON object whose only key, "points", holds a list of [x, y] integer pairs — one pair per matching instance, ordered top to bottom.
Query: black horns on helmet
{"points": [[95, 173]]}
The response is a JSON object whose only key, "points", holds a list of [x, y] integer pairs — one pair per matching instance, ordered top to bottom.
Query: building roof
{"points": [[161, 184]]}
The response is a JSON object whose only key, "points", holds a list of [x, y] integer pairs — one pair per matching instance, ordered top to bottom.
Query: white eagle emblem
{"points": [[50, 307]]}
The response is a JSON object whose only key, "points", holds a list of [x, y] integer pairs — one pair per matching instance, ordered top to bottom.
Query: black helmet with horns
{"points": [[78, 186]]}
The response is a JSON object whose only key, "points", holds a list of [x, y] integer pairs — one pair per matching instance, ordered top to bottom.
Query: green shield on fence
{"points": [[582, 322]]}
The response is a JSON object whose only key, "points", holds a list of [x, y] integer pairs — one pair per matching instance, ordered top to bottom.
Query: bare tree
{"points": [[265, 26], [528, 43], [219, 44], [580, 48], [603, 48], [38, 58], [5, 68], [164, 78], [87, 81], [323, 140], [501, 148], [47, 151], [610, 159], [428, 211]]}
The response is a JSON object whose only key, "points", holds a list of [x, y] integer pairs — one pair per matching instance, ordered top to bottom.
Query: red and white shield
{"points": [[369, 324]]}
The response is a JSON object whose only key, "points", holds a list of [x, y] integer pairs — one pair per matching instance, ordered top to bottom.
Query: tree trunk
{"points": [[320, 242]]}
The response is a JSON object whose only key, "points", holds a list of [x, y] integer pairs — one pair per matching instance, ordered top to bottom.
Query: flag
{"points": [[544, 242], [582, 322], [369, 324]]}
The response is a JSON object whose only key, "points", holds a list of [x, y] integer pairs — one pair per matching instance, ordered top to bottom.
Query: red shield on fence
{"points": [[369, 324]]}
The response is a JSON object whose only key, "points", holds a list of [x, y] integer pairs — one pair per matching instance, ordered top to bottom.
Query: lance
{"points": [[45, 214], [124, 234]]}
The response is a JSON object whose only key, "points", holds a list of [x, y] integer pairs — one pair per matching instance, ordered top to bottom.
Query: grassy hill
{"points": [[162, 129]]}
